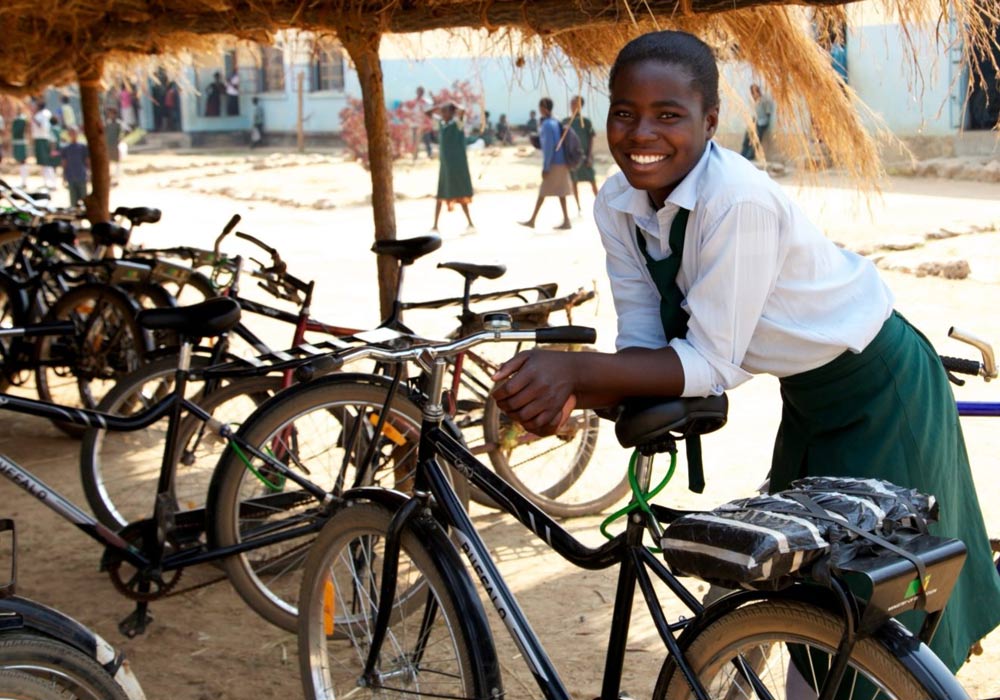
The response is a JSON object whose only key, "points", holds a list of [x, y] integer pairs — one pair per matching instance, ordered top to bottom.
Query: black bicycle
{"points": [[145, 559], [389, 610]]}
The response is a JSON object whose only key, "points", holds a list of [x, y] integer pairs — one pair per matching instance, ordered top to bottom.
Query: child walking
{"points": [[76, 167], [454, 180], [717, 275]]}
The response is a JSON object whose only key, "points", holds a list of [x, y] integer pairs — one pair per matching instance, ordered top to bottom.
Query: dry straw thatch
{"points": [[54, 41]]}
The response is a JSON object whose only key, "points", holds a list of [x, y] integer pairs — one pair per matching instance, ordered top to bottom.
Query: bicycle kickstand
{"points": [[135, 624]]}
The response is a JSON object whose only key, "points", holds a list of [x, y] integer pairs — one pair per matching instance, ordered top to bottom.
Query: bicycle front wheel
{"points": [[77, 370], [322, 431], [438, 642], [788, 645], [60, 664]]}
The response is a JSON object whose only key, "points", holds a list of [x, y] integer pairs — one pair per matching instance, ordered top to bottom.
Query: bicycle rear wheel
{"points": [[76, 371], [320, 430], [120, 470], [552, 471], [764, 636], [438, 643], [60, 664]]}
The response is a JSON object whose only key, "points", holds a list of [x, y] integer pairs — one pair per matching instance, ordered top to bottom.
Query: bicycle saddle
{"points": [[139, 215], [56, 232], [107, 233], [408, 249], [470, 271], [207, 319], [653, 425]]}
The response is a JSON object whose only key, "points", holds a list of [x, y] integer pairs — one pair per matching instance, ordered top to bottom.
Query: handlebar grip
{"points": [[231, 225], [225, 232], [566, 334], [324, 364], [960, 365]]}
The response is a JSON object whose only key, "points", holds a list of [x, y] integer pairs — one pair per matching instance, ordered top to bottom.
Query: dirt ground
{"points": [[206, 644]]}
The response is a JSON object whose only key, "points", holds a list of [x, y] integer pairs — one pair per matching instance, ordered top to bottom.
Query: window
{"points": [[327, 68], [272, 69]]}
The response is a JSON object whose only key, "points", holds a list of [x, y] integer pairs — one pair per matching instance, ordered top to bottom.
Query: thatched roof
{"points": [[55, 41]]}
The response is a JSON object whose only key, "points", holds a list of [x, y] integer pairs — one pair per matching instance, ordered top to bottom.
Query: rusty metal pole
{"points": [[362, 44], [98, 201]]}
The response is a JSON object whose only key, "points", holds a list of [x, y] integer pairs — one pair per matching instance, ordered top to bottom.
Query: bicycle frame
{"points": [[172, 405]]}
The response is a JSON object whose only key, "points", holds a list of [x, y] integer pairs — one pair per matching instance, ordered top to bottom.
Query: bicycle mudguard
{"points": [[21, 614], [915, 656], [923, 663]]}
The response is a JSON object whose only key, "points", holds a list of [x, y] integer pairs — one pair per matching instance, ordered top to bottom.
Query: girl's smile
{"points": [[658, 125]]}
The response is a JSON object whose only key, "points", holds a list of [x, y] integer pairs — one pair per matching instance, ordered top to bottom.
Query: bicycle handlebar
{"points": [[225, 232], [425, 353], [987, 368]]}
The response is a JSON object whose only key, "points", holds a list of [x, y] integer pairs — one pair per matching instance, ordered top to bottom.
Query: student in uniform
{"points": [[584, 129], [19, 144], [454, 180], [717, 275]]}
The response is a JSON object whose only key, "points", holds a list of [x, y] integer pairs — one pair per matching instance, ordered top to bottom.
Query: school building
{"points": [[930, 106]]}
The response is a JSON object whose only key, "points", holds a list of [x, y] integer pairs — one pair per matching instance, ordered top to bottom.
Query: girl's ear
{"points": [[711, 121]]}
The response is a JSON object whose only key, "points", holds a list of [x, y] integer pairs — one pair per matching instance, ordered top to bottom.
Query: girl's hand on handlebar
{"points": [[536, 389]]}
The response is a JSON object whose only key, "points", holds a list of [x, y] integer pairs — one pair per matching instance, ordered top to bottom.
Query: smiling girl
{"points": [[717, 275]]}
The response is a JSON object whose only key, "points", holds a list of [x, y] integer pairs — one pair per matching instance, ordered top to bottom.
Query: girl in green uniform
{"points": [[584, 129], [19, 142], [454, 181], [717, 275]]}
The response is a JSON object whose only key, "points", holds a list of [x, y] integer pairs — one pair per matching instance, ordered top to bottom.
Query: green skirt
{"points": [[20, 151], [42, 152], [585, 173], [889, 413]]}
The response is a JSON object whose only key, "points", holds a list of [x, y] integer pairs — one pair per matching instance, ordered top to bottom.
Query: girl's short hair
{"points": [[676, 48]]}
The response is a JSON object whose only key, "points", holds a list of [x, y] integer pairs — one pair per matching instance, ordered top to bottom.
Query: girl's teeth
{"points": [[643, 160]]}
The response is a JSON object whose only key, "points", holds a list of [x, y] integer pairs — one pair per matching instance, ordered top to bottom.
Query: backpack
{"points": [[572, 148]]}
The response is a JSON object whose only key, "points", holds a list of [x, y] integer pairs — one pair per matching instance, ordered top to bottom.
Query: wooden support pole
{"points": [[361, 43], [98, 201]]}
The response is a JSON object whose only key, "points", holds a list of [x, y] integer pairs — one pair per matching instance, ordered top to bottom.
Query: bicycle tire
{"points": [[77, 371], [119, 470], [564, 490], [268, 578], [760, 631], [455, 659], [59, 663], [17, 685]]}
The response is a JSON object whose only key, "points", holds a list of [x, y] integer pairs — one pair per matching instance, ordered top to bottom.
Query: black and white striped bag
{"points": [[762, 542]]}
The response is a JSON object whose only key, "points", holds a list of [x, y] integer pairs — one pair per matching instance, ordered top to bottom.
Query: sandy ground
{"points": [[207, 644]]}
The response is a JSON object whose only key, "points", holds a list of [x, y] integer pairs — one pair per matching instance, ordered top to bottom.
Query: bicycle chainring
{"points": [[129, 581]]}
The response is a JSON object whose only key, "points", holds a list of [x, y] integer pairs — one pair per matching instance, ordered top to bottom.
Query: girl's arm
{"points": [[538, 388]]}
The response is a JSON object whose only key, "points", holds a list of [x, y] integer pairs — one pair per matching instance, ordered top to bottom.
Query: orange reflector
{"points": [[388, 431], [329, 608]]}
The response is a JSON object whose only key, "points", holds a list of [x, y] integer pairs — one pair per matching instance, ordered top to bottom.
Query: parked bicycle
{"points": [[118, 469], [144, 560], [388, 608], [46, 655]]}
